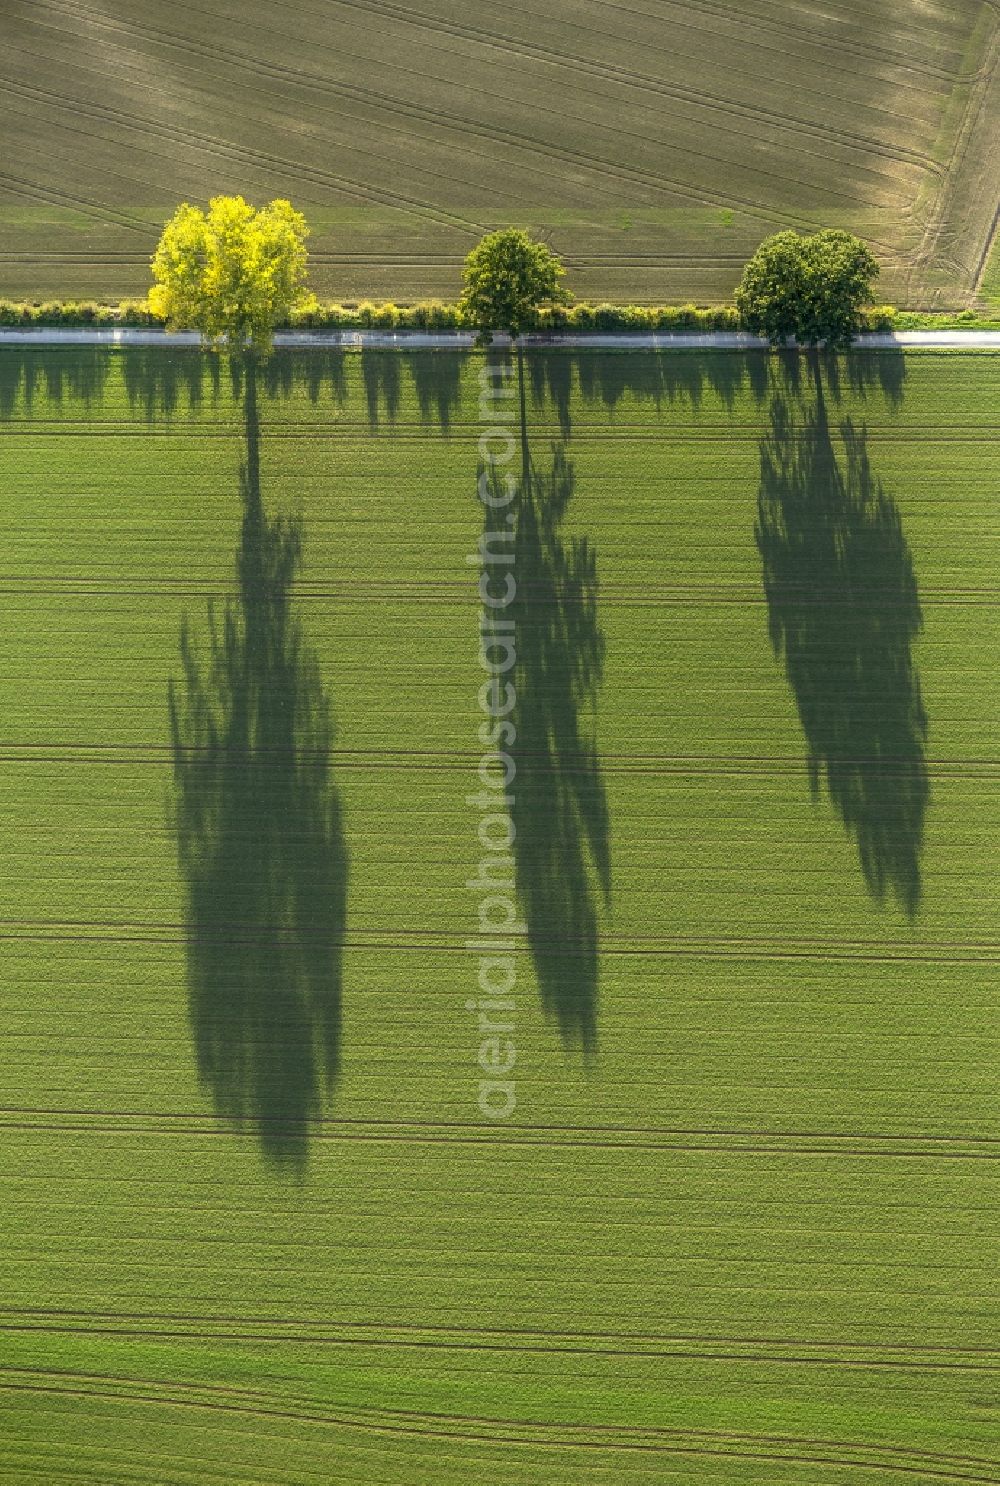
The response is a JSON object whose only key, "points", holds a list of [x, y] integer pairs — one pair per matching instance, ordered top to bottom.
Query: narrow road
{"points": [[463, 340]]}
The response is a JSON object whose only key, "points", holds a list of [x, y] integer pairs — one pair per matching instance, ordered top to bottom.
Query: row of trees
{"points": [[234, 272]]}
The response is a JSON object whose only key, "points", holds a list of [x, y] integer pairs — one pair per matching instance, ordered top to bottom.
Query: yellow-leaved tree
{"points": [[233, 272]]}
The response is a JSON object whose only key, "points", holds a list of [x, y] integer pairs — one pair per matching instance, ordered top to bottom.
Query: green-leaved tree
{"points": [[232, 273], [508, 278], [814, 289]]}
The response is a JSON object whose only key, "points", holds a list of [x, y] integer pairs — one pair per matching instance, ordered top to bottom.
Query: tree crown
{"points": [[232, 272], [508, 277], [813, 288]]}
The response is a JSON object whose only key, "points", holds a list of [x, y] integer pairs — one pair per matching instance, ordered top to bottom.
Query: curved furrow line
{"points": [[501, 42], [896, 60], [644, 82], [681, 92], [436, 117], [242, 155], [565, 155], [616, 170], [52, 196], [747, 206], [934, 227], [987, 249], [467, 756], [789, 769], [694, 941], [759, 954], [486, 1137], [665, 1137], [491, 1142], [451, 1327], [512, 1335], [331, 1338], [470, 1429], [642, 1431], [23, 1462]]}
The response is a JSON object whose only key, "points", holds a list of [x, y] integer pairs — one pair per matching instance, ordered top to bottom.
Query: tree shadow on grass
{"points": [[321, 371], [52, 374], [551, 374], [436, 377], [660, 377], [382, 380], [611, 380], [162, 381], [437, 381], [843, 611], [260, 841], [561, 843]]}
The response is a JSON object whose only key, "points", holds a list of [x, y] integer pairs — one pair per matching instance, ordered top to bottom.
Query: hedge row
{"points": [[75, 312], [427, 315], [434, 315]]}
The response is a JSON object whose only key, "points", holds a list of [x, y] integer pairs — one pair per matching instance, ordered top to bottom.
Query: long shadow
{"points": [[322, 372], [54, 374], [551, 374], [436, 377], [660, 377], [686, 377], [382, 379], [437, 380], [161, 381], [843, 611], [260, 840], [561, 843]]}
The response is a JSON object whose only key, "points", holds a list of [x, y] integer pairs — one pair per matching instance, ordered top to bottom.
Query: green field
{"points": [[654, 144], [742, 1227]]}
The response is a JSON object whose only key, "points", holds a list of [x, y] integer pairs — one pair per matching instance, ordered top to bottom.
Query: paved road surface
{"points": [[460, 340]]}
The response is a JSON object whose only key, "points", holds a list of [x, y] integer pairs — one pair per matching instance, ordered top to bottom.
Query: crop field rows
{"points": [[654, 145], [743, 1221]]}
